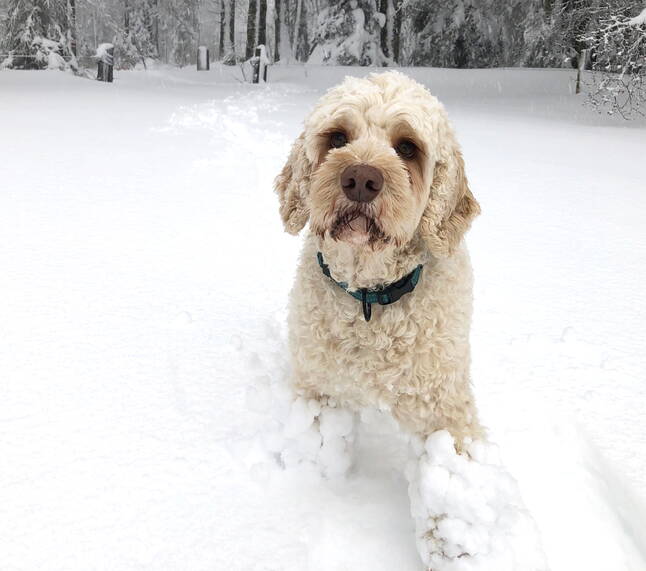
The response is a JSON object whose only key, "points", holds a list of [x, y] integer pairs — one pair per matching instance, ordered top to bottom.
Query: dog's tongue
{"points": [[359, 224]]}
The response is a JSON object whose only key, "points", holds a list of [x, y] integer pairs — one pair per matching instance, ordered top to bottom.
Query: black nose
{"points": [[361, 183]]}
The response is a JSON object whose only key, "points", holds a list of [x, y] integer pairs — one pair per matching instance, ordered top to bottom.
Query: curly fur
{"points": [[413, 356]]}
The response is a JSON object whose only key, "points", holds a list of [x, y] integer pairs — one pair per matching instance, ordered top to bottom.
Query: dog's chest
{"points": [[339, 354]]}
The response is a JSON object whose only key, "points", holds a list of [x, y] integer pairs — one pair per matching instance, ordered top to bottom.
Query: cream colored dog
{"points": [[379, 175], [380, 315], [413, 355]]}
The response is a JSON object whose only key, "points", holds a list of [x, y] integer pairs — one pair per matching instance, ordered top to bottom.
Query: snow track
{"points": [[144, 278]]}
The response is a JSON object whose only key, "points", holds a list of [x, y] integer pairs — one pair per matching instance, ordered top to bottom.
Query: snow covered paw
{"points": [[337, 430], [317, 434], [302, 439], [468, 510]]}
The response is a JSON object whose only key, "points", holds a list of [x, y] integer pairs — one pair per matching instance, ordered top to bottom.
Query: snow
{"points": [[638, 20], [342, 35], [102, 51], [142, 353], [321, 438], [474, 508]]}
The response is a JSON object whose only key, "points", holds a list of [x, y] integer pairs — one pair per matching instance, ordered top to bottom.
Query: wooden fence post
{"points": [[105, 55], [203, 59], [259, 64]]}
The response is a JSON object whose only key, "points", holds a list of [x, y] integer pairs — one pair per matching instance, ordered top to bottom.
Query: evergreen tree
{"points": [[179, 25], [349, 34], [38, 35], [136, 41]]}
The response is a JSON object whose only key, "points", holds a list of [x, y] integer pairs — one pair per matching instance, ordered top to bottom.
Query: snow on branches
{"points": [[349, 34], [37, 35], [618, 59]]}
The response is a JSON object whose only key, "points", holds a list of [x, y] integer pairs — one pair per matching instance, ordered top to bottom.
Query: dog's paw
{"points": [[337, 431], [315, 433], [301, 436], [468, 510]]}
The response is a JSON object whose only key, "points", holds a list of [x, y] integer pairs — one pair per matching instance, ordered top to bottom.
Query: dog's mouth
{"points": [[357, 226]]}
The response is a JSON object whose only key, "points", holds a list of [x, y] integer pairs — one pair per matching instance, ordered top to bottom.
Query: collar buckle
{"points": [[366, 305]]}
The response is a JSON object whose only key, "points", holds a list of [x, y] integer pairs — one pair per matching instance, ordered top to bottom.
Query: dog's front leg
{"points": [[446, 405], [319, 432]]}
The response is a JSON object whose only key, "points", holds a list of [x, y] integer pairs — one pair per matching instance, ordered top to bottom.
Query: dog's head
{"points": [[376, 164]]}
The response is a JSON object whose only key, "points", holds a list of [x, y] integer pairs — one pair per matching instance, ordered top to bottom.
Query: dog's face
{"points": [[377, 163]]}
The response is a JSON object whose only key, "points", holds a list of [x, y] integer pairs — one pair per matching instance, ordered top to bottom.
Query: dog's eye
{"points": [[338, 140], [406, 149]]}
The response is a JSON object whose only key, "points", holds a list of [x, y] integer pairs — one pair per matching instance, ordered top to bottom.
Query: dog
{"points": [[380, 177], [380, 310]]}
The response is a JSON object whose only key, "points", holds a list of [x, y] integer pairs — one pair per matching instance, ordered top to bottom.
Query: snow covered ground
{"points": [[144, 279]]}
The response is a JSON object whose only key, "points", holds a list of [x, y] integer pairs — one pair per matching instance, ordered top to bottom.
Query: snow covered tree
{"points": [[182, 27], [553, 30], [447, 33], [464, 33], [349, 34], [39, 35], [136, 42], [618, 56]]}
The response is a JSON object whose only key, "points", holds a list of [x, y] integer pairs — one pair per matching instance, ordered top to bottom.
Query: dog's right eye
{"points": [[338, 140], [406, 149]]}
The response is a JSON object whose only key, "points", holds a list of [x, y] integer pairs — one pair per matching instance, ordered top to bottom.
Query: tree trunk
{"points": [[383, 8], [126, 16], [278, 21], [256, 22], [262, 22], [71, 24], [154, 24], [233, 26], [297, 26], [390, 26], [229, 27], [251, 28], [397, 28], [222, 31], [304, 35], [96, 37]]}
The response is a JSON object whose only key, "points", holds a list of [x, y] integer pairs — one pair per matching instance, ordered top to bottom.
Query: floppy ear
{"points": [[292, 186], [451, 206]]}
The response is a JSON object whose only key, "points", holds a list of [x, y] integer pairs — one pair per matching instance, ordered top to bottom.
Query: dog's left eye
{"points": [[338, 140], [406, 149]]}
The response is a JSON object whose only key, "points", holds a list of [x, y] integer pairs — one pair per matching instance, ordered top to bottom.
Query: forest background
{"points": [[441, 33]]}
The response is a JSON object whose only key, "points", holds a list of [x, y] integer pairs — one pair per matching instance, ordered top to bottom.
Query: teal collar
{"points": [[383, 296]]}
